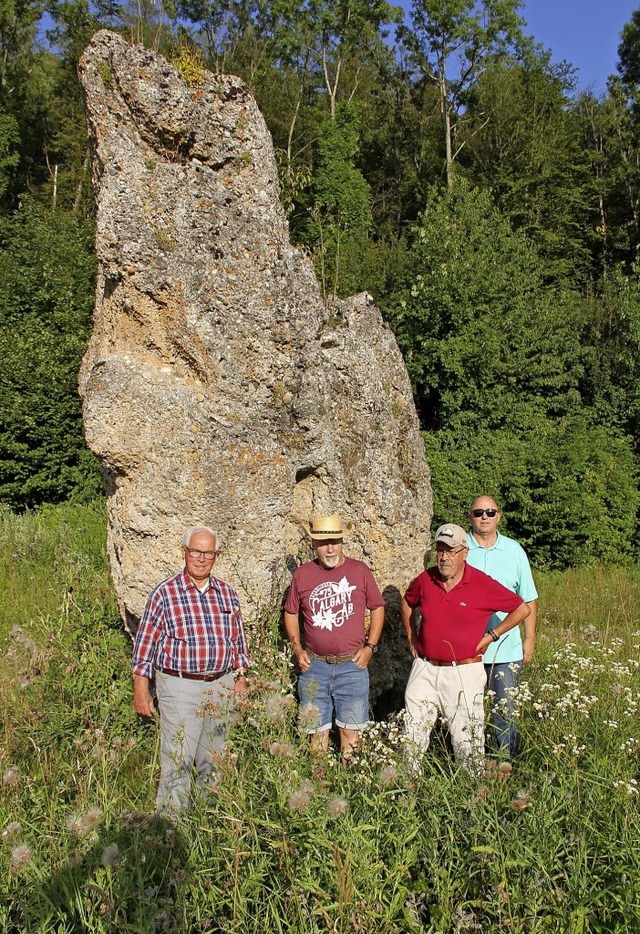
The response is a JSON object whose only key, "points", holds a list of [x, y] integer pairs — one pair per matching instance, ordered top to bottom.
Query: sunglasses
{"points": [[480, 512]]}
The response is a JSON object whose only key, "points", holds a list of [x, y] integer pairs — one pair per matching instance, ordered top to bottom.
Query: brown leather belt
{"points": [[335, 659], [452, 664], [193, 675]]}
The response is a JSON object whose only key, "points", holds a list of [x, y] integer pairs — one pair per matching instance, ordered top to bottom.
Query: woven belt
{"points": [[335, 659], [452, 664], [193, 675]]}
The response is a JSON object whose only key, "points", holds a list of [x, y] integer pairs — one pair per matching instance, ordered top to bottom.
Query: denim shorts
{"points": [[325, 690]]}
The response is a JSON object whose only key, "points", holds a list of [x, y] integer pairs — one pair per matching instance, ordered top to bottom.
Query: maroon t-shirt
{"points": [[333, 602], [453, 623]]}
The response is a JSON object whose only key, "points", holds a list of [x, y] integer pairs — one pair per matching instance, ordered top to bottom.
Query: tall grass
{"points": [[287, 843]]}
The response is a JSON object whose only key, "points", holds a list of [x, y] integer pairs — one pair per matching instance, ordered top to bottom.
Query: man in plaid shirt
{"points": [[191, 641]]}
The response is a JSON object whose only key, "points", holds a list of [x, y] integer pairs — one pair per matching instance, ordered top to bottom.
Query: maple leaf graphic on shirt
{"points": [[345, 587], [324, 620]]}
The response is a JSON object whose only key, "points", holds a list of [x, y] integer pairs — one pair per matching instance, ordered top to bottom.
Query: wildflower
{"points": [[276, 706], [210, 708], [309, 714], [285, 750], [489, 767], [505, 768], [388, 775], [11, 777], [631, 787], [298, 800], [521, 801], [337, 807], [133, 820], [83, 824], [11, 830], [110, 855], [20, 856], [177, 878]]}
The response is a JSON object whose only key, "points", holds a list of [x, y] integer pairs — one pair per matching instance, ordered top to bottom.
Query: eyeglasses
{"points": [[480, 512], [445, 549], [194, 553]]}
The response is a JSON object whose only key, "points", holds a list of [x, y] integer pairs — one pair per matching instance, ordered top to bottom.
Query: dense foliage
{"points": [[437, 158]]}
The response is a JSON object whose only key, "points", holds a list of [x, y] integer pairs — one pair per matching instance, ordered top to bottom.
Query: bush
{"points": [[46, 296], [568, 490]]}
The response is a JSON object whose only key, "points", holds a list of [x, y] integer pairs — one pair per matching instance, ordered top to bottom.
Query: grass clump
{"points": [[286, 842]]}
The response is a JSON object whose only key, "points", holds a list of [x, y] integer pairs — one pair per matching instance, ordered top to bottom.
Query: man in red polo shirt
{"points": [[447, 676]]}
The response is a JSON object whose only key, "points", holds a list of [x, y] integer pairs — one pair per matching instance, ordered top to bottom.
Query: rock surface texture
{"points": [[217, 386]]}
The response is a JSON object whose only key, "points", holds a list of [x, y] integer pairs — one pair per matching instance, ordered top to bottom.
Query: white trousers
{"points": [[456, 693], [194, 720]]}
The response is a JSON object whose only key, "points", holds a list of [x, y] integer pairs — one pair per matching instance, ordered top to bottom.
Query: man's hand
{"points": [[412, 636], [484, 644], [528, 648], [363, 656], [301, 657], [241, 686], [142, 700]]}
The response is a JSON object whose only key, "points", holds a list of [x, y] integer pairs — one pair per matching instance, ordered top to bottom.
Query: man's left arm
{"points": [[527, 590], [512, 619], [529, 641], [242, 663]]}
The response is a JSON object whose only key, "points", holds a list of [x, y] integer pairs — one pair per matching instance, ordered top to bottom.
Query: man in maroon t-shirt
{"points": [[334, 593], [447, 676]]}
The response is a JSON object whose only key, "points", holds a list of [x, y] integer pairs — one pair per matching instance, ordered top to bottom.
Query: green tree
{"points": [[450, 43], [629, 52], [524, 141], [9, 155], [340, 213], [46, 296], [481, 334], [611, 341], [499, 370], [568, 488]]}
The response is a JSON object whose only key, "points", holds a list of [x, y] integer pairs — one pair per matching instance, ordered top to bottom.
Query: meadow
{"points": [[286, 843]]}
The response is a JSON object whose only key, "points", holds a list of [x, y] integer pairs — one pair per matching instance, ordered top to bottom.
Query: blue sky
{"points": [[584, 32]]}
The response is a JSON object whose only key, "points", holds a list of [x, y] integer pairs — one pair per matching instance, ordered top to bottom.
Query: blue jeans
{"points": [[502, 679], [325, 689]]}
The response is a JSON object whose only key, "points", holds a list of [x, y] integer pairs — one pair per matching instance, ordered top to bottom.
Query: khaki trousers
{"points": [[456, 693], [194, 720]]}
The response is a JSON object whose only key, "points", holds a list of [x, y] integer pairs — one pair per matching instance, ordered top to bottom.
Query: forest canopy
{"points": [[434, 157]]}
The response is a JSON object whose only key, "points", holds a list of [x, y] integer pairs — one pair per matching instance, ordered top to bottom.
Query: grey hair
{"points": [[194, 529]]}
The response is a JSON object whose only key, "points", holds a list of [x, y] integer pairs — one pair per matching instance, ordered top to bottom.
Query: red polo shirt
{"points": [[453, 623]]}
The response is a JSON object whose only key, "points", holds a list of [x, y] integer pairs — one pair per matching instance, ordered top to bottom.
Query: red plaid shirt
{"points": [[187, 630]]}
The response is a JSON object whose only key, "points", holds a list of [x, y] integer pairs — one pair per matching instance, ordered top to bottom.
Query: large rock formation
{"points": [[217, 386]]}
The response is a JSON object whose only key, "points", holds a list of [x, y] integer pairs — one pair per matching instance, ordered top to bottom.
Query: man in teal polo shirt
{"points": [[506, 561]]}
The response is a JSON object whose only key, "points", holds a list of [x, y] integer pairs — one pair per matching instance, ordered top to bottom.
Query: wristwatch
{"points": [[370, 645]]}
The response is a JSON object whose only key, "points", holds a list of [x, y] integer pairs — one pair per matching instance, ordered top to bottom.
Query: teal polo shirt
{"points": [[506, 561]]}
